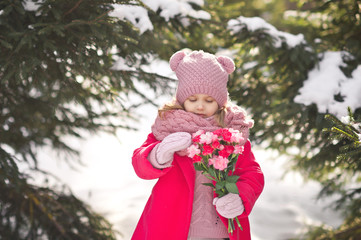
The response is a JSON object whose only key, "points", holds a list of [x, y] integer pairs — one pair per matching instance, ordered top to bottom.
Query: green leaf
{"points": [[198, 167], [212, 172], [208, 176], [232, 179], [208, 184], [220, 185], [232, 188], [220, 193]]}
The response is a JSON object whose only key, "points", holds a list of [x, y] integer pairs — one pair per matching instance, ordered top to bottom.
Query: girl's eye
{"points": [[192, 99], [209, 100]]}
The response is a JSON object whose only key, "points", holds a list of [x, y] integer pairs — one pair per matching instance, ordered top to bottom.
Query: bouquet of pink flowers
{"points": [[215, 154]]}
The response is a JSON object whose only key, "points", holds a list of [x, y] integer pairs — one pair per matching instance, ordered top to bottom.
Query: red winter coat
{"points": [[167, 214]]}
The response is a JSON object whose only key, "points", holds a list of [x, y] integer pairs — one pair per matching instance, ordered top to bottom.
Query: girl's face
{"points": [[201, 104]]}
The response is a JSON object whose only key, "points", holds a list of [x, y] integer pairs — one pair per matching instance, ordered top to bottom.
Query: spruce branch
{"points": [[73, 8]]}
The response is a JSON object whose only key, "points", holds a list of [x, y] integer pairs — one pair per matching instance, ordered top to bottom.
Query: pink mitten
{"points": [[164, 151], [229, 206]]}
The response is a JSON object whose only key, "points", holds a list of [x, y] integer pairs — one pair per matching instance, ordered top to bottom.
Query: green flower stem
{"points": [[203, 165], [232, 223], [239, 224], [231, 226], [230, 229]]}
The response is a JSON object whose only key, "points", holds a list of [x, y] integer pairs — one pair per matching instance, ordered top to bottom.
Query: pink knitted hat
{"points": [[201, 73]]}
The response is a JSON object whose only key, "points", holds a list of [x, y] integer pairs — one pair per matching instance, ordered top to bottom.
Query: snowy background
{"points": [[324, 82], [108, 183]]}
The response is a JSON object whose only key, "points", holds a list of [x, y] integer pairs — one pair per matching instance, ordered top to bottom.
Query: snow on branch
{"points": [[32, 6], [171, 8], [138, 15], [257, 23], [326, 81], [326, 86]]}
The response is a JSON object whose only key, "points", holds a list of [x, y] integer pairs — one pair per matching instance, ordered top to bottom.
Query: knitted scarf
{"points": [[182, 121]]}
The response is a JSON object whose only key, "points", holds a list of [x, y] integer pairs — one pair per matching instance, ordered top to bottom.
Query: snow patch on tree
{"points": [[32, 6], [171, 8], [138, 16], [257, 23], [327, 81]]}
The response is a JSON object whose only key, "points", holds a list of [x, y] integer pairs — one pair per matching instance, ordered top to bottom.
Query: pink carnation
{"points": [[199, 132], [218, 132], [223, 133], [227, 136], [237, 137], [197, 138], [207, 138], [216, 144], [207, 149], [238, 149], [193, 150], [226, 151], [197, 158], [219, 162]]}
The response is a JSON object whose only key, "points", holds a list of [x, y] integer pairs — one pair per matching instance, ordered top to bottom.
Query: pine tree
{"points": [[43, 52], [273, 67], [57, 80], [346, 134]]}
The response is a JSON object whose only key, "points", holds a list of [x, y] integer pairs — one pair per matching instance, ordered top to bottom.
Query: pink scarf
{"points": [[182, 121]]}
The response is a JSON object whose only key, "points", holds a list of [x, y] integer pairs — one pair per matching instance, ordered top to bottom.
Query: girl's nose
{"points": [[200, 106]]}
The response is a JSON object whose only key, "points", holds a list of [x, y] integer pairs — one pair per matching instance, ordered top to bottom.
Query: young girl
{"points": [[180, 206]]}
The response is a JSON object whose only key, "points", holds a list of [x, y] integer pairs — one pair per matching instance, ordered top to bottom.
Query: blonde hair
{"points": [[174, 105]]}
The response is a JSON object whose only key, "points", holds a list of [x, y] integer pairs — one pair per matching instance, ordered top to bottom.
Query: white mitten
{"points": [[172, 143], [162, 155], [229, 206]]}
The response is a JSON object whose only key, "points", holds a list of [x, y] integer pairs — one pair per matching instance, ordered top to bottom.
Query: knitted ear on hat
{"points": [[175, 59], [226, 63]]}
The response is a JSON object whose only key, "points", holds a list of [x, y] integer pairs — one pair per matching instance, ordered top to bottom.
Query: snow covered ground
{"points": [[109, 184]]}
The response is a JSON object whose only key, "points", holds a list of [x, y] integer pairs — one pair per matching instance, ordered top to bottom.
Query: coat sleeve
{"points": [[142, 167], [251, 181]]}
